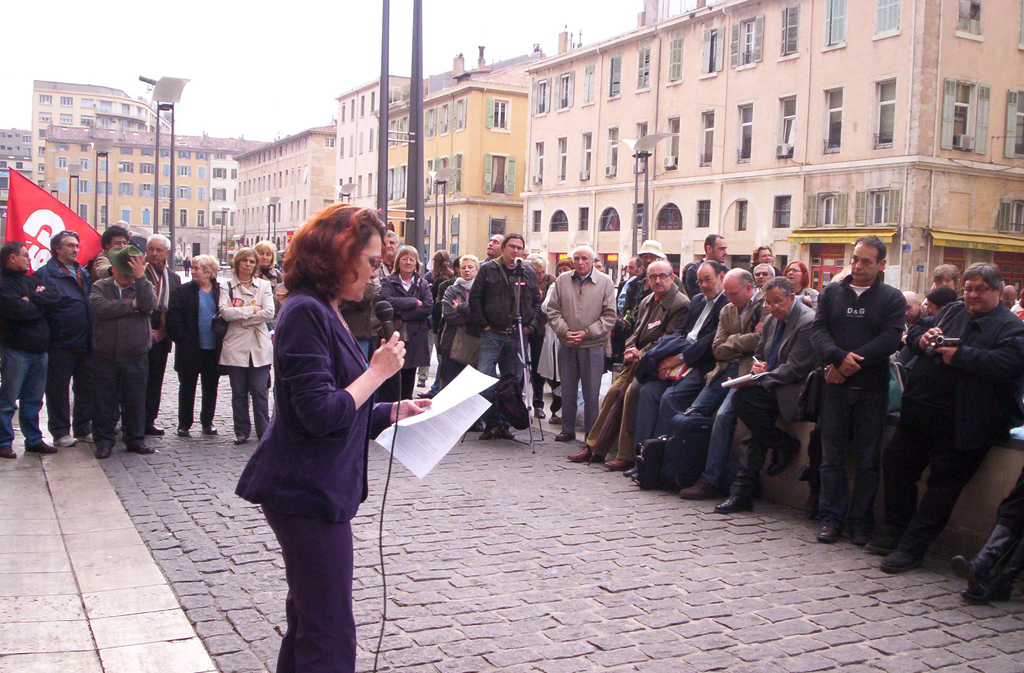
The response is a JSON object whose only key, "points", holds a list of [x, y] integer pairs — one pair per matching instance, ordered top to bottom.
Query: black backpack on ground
{"points": [[508, 397], [686, 451], [650, 455]]}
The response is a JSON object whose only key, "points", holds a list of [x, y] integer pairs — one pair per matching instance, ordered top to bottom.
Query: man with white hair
{"points": [[762, 274], [166, 284], [581, 312]]}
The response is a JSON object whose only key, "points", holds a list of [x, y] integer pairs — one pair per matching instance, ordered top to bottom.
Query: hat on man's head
{"points": [[652, 247], [119, 258], [941, 296]]}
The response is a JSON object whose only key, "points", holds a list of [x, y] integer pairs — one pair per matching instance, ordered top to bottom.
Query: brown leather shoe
{"points": [[141, 449], [7, 452], [103, 452], [584, 456], [618, 465], [702, 490]]}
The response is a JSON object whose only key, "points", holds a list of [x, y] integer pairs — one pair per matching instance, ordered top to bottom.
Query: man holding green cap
{"points": [[121, 306]]}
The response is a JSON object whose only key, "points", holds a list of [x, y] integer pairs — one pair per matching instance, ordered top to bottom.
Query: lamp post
{"points": [[166, 93], [102, 147], [642, 150], [75, 174], [441, 177], [52, 187], [346, 191], [272, 202], [223, 256]]}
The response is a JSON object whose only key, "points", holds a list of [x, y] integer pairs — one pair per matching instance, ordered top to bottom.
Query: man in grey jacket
{"points": [[121, 306], [582, 313], [784, 357]]}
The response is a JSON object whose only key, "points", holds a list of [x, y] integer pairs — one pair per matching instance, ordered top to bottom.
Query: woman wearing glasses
{"points": [[309, 471]]}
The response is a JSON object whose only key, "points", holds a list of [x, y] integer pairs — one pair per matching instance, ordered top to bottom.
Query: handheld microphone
{"points": [[385, 314]]}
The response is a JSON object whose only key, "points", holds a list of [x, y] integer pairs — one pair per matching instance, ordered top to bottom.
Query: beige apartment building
{"points": [[84, 105], [475, 122], [798, 124], [358, 129], [126, 180], [282, 184]]}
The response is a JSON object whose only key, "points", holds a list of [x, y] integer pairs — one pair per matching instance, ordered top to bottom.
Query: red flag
{"points": [[34, 215]]}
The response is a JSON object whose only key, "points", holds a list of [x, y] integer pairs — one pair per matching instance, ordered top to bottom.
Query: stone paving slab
{"points": [[502, 559]]}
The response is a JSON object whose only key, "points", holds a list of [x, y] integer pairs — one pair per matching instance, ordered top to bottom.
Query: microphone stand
{"points": [[524, 354]]}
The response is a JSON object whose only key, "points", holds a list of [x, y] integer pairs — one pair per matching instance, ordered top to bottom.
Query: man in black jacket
{"points": [[715, 250], [166, 283], [492, 306], [858, 325], [24, 338], [70, 355], [662, 398], [958, 402]]}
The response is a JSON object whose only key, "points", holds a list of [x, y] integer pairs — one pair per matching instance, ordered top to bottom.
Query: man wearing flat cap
{"points": [[121, 306]]}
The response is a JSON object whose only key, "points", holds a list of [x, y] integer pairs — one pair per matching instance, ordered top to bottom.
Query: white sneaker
{"points": [[85, 438], [66, 440]]}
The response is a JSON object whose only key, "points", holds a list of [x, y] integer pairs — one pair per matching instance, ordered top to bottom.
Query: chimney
{"points": [[701, 4], [563, 41], [480, 63], [458, 65]]}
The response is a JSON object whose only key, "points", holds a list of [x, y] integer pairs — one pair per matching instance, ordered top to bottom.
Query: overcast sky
{"points": [[275, 69]]}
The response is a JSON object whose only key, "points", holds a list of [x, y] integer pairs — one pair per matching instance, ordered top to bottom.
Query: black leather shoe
{"points": [[539, 413], [209, 430], [154, 431], [182, 432], [505, 432], [565, 437], [240, 440], [41, 447], [142, 450], [7, 452], [102, 452], [782, 458], [631, 472], [735, 503], [829, 534], [860, 537], [883, 546], [900, 562]]}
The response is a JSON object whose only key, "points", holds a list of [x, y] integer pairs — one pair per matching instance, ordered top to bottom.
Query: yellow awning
{"points": [[830, 235], [976, 241]]}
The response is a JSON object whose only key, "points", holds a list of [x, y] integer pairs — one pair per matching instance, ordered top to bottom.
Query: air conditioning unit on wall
{"points": [[784, 151]]}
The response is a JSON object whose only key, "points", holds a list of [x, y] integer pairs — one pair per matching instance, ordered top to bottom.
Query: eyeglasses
{"points": [[375, 262], [659, 276]]}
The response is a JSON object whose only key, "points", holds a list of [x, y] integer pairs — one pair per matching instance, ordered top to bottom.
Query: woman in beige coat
{"points": [[247, 303]]}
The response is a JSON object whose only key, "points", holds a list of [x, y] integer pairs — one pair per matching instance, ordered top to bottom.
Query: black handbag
{"points": [[219, 326], [809, 405]]}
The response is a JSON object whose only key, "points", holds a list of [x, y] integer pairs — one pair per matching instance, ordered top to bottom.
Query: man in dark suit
{"points": [[166, 282], [784, 357], [662, 398]]}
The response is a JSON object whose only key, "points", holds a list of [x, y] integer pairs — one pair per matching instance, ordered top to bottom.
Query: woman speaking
{"points": [[309, 470]]}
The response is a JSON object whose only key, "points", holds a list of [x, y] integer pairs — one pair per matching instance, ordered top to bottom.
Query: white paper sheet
{"points": [[733, 383], [426, 438]]}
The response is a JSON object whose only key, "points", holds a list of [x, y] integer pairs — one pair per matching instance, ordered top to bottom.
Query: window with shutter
{"points": [[887, 17], [969, 17], [835, 22], [790, 30], [758, 39], [706, 51], [719, 52], [675, 60], [643, 69], [615, 77], [589, 83], [489, 119], [981, 120], [1014, 142], [487, 173], [510, 175], [811, 210]]}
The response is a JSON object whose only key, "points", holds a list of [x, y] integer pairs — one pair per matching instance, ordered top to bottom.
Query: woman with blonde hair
{"points": [[409, 294], [247, 304], [455, 310]]}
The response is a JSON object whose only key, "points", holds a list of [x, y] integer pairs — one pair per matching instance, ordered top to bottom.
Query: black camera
{"points": [[941, 341]]}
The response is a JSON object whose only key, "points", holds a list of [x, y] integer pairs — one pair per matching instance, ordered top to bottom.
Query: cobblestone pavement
{"points": [[502, 559]]}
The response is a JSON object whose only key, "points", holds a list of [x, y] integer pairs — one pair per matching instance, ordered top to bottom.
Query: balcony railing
{"points": [[883, 140], [832, 146], [705, 158]]}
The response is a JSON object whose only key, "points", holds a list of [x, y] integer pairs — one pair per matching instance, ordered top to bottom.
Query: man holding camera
{"points": [[963, 395]]}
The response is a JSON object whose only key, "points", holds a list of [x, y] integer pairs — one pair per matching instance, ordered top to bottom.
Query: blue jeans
{"points": [[498, 352], [22, 382], [851, 423], [717, 470]]}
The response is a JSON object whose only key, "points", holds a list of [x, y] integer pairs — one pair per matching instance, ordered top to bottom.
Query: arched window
{"points": [[670, 217], [610, 220], [559, 221]]}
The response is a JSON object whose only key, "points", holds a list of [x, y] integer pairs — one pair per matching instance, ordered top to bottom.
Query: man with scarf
{"points": [[166, 284]]}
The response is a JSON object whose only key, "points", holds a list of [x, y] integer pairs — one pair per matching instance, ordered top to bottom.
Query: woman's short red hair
{"points": [[322, 255], [802, 268]]}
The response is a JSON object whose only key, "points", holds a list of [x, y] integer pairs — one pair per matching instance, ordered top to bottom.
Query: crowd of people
{"points": [[691, 353]]}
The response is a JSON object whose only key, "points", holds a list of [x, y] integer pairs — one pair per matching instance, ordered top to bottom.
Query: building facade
{"points": [[84, 105], [475, 122], [797, 124], [15, 155], [124, 181], [283, 183]]}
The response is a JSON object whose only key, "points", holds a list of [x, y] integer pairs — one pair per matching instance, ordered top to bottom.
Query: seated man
{"points": [[660, 313], [733, 346], [785, 357], [661, 398], [959, 401]]}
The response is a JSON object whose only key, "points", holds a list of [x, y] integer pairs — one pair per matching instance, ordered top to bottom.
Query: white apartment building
{"points": [[798, 124]]}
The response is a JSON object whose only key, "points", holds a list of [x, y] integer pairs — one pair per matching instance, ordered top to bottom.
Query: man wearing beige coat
{"points": [[581, 312]]}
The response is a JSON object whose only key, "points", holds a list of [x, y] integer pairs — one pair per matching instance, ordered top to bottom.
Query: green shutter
{"points": [[758, 38], [735, 47], [720, 50], [705, 54], [572, 87], [948, 99], [490, 113], [981, 120], [1010, 142], [510, 175], [488, 182], [842, 205], [895, 205], [860, 209], [811, 210], [1003, 220]]}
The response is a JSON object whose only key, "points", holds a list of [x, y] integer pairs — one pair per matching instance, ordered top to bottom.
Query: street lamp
{"points": [[166, 93], [102, 147], [642, 150], [75, 175], [441, 177], [52, 186], [346, 191], [272, 202], [223, 256]]}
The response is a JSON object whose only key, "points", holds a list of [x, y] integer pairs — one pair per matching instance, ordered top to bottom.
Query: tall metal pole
{"points": [[382, 116], [156, 175], [106, 189], [647, 193], [96, 194], [414, 199], [636, 199], [444, 216], [437, 222], [170, 227], [223, 248]]}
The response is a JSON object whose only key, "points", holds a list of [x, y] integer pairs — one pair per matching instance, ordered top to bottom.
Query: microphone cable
{"points": [[380, 541]]}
